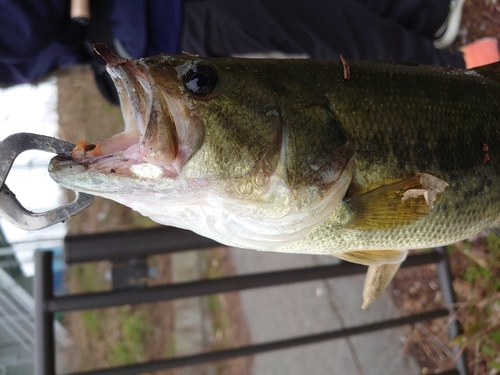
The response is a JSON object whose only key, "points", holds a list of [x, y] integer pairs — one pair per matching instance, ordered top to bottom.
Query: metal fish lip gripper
{"points": [[10, 208]]}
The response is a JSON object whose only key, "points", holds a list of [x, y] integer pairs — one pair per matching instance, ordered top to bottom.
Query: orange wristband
{"points": [[481, 52]]}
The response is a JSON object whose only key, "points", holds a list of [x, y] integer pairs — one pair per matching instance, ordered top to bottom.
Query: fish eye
{"points": [[200, 80]]}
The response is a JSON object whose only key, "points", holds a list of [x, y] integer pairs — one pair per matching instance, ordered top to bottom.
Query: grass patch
{"points": [[88, 277], [216, 303], [217, 306], [91, 321], [129, 344], [169, 348], [121, 354]]}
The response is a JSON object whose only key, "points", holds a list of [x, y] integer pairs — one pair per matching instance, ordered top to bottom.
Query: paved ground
{"points": [[304, 308], [298, 309], [191, 320]]}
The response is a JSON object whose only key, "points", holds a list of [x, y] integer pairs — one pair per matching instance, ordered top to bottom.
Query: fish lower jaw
{"points": [[133, 168], [116, 173]]}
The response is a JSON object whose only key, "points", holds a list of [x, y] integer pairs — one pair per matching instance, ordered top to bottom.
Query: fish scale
{"points": [[444, 141]]}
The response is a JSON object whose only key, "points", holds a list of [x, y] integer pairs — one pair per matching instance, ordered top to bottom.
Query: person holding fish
{"points": [[414, 31], [38, 37]]}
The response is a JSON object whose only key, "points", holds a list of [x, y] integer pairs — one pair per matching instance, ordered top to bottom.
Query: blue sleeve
{"points": [[128, 25], [164, 26], [29, 27], [147, 27], [37, 37], [40, 37], [55, 56]]}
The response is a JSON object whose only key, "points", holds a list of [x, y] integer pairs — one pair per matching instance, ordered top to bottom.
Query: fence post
{"points": [[45, 359]]}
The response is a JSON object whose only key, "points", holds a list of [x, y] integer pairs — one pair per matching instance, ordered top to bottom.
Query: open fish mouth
{"points": [[150, 145]]}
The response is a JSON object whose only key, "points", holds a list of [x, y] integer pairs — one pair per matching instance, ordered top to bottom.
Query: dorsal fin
{"points": [[491, 71]]}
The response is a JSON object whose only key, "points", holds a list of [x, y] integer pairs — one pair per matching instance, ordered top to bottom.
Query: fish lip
{"points": [[134, 90], [140, 96], [62, 158]]}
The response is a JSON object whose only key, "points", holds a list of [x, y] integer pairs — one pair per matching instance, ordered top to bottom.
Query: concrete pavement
{"points": [[317, 306], [292, 310]]}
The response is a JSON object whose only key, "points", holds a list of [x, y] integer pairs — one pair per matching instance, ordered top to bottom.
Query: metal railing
{"points": [[122, 246], [16, 325]]}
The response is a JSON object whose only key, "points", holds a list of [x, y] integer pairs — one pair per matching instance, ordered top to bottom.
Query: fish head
{"points": [[176, 107], [209, 138]]}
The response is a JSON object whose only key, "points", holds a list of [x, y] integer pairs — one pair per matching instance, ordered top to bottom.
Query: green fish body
{"points": [[360, 160]]}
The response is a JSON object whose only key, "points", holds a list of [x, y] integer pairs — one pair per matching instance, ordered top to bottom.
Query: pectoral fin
{"points": [[396, 204], [377, 279]]}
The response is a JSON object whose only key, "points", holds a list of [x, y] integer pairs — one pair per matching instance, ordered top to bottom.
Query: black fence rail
{"points": [[133, 246]]}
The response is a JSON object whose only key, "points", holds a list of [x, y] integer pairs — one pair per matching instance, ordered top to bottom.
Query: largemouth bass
{"points": [[359, 160]]}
